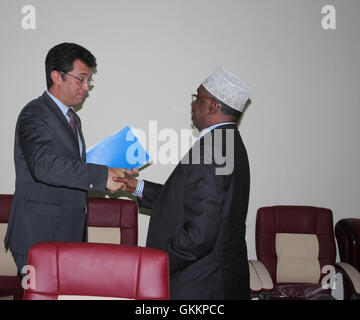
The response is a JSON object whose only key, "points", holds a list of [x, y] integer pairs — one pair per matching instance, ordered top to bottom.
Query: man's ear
{"points": [[56, 77], [214, 106]]}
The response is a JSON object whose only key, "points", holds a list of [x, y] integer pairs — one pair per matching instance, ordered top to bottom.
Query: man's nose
{"points": [[85, 85]]}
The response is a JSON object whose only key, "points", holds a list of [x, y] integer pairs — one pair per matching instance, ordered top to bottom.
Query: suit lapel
{"points": [[55, 109]]}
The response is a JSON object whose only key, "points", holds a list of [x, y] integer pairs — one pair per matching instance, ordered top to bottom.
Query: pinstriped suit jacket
{"points": [[52, 179], [198, 218]]}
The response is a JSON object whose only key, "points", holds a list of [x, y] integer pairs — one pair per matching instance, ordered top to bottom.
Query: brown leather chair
{"points": [[109, 220], [113, 221], [347, 233], [296, 253], [87, 271], [10, 282]]}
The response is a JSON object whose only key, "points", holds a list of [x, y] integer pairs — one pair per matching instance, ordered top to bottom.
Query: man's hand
{"points": [[113, 174], [128, 180]]}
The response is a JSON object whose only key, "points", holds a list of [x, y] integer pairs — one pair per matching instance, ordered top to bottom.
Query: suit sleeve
{"points": [[35, 138], [150, 193], [203, 201]]}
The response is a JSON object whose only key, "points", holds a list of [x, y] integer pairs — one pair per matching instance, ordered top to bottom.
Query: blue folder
{"points": [[120, 150]]}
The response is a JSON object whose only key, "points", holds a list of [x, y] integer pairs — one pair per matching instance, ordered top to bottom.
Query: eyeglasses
{"points": [[90, 81], [194, 97]]}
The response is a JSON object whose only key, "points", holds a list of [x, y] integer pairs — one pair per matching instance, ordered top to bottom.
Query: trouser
{"points": [[20, 261]]}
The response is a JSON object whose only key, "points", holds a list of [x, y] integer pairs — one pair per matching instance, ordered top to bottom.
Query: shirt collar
{"points": [[64, 109], [206, 130]]}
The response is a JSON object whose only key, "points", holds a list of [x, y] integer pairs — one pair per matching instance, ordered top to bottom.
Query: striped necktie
{"points": [[72, 123]]}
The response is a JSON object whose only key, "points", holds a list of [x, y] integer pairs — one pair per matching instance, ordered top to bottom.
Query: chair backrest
{"points": [[113, 221], [347, 233], [295, 242], [7, 264], [66, 270]]}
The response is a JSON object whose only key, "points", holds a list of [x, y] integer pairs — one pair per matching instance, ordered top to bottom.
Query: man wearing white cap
{"points": [[198, 215]]}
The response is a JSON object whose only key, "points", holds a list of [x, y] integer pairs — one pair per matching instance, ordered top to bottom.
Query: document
{"points": [[120, 150]]}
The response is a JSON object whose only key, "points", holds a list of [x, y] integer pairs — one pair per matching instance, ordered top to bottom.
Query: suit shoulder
{"points": [[38, 102], [37, 106], [223, 138]]}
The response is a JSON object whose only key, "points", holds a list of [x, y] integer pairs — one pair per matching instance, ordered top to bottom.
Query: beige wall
{"points": [[301, 130]]}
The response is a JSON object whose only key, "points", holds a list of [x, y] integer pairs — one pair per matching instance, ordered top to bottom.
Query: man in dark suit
{"points": [[52, 177], [198, 215]]}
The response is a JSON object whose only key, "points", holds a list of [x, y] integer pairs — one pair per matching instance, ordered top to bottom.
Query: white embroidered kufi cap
{"points": [[228, 88]]}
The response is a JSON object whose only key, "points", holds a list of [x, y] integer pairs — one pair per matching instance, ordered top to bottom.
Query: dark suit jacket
{"points": [[52, 179], [198, 218]]}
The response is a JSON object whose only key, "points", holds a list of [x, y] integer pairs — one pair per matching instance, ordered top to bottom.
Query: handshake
{"points": [[122, 179]]}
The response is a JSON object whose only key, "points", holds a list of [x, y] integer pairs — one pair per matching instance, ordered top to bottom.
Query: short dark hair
{"points": [[62, 56], [231, 112]]}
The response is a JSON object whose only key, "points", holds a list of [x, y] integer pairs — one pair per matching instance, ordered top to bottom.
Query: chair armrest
{"points": [[262, 273], [351, 273], [255, 282]]}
